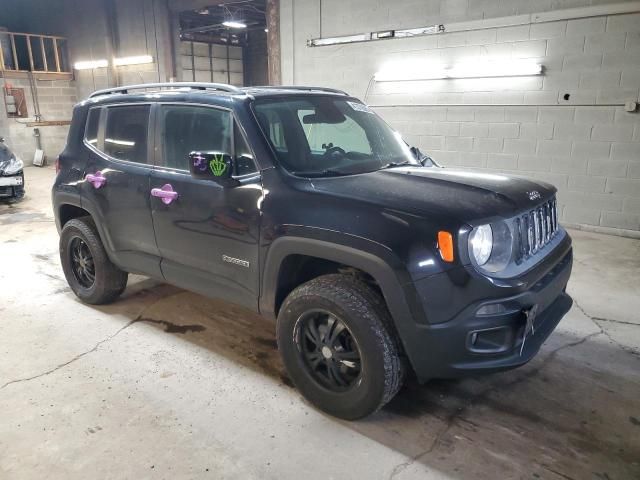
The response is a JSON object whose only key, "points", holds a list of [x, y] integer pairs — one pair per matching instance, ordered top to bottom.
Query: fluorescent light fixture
{"points": [[234, 24], [414, 32], [371, 36], [318, 42], [135, 60], [90, 64], [473, 69], [478, 69], [410, 70]]}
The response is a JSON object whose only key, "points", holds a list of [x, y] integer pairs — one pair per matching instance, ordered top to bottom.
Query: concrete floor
{"points": [[168, 384]]}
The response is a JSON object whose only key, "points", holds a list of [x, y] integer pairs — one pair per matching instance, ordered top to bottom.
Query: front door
{"points": [[116, 184], [207, 234]]}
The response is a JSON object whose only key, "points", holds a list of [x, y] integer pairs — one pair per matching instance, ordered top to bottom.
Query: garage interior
{"points": [[165, 383]]}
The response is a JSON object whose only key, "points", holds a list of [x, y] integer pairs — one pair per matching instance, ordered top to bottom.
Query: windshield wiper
{"points": [[395, 164], [322, 173]]}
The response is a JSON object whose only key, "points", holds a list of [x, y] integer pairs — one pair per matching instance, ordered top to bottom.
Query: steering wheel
{"points": [[333, 150]]}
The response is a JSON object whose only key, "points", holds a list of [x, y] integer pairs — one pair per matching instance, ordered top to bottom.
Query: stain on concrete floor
{"points": [[551, 417]]}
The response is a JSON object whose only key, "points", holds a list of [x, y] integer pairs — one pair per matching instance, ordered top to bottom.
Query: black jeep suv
{"points": [[305, 206]]}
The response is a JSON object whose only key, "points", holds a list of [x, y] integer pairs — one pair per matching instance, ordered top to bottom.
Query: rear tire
{"points": [[87, 268], [338, 345]]}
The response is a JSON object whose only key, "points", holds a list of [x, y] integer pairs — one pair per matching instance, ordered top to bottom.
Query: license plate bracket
{"points": [[10, 181]]}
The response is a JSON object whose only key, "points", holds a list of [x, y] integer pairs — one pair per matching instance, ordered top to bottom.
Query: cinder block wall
{"points": [[56, 99], [586, 144]]}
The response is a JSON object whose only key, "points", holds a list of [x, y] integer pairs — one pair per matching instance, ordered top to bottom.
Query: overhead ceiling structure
{"points": [[226, 23]]}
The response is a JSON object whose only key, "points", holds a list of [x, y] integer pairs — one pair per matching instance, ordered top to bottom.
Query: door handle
{"points": [[96, 179], [165, 193]]}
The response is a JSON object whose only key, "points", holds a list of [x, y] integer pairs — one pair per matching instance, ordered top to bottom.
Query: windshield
{"points": [[320, 136]]}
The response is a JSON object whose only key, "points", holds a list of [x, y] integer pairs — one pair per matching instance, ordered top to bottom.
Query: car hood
{"points": [[5, 153], [441, 192]]}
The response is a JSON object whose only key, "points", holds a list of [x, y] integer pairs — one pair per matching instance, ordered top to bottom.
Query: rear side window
{"points": [[91, 128], [126, 132]]}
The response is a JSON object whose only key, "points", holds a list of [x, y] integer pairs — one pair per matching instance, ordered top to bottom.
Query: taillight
{"points": [[57, 165]]}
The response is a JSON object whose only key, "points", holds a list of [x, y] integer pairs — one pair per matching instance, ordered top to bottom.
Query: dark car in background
{"points": [[11, 174], [302, 204]]}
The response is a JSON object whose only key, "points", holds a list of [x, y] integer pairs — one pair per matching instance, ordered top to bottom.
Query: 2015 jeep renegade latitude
{"points": [[303, 205]]}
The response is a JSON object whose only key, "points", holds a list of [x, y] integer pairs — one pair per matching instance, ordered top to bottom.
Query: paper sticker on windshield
{"points": [[359, 107]]}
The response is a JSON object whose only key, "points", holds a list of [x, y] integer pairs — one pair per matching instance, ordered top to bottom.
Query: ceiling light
{"points": [[233, 24], [135, 60], [89, 64], [473, 69]]}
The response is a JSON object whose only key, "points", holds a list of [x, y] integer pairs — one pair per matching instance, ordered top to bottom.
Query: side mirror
{"points": [[1, 139], [425, 160], [214, 166]]}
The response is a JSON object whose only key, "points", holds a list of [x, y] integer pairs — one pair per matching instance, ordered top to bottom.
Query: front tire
{"points": [[87, 268], [337, 342]]}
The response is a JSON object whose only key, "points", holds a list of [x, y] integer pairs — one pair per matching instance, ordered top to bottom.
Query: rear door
{"points": [[115, 189], [208, 235]]}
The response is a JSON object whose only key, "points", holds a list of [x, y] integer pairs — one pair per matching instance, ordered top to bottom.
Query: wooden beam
{"points": [[273, 42], [13, 50], [30, 52], [44, 55], [57, 56], [49, 123]]}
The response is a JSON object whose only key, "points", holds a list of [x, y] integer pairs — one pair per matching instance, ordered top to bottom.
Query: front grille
{"points": [[535, 229]]}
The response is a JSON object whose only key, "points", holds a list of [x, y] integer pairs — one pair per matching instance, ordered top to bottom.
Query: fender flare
{"points": [[64, 198], [59, 199], [370, 257]]}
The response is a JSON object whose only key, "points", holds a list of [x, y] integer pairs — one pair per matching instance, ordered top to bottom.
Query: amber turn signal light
{"points": [[445, 245]]}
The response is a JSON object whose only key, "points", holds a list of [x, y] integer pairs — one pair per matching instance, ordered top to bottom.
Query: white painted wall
{"points": [[588, 146]]}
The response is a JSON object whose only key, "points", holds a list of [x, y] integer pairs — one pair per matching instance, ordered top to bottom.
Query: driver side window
{"points": [[347, 135]]}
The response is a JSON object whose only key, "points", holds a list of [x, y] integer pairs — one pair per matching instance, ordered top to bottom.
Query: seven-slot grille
{"points": [[535, 229]]}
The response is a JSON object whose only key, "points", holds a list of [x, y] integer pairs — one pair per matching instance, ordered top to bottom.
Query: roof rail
{"points": [[223, 87], [298, 87]]}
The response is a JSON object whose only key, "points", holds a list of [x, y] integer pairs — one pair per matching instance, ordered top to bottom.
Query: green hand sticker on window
{"points": [[217, 165]]}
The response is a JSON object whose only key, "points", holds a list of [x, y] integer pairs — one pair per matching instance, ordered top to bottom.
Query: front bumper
{"points": [[12, 185], [487, 334]]}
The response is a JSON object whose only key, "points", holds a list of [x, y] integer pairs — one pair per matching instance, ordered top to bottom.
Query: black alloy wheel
{"points": [[82, 262], [87, 267], [338, 344], [329, 350]]}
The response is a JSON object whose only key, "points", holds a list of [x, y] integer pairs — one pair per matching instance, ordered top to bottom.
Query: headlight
{"points": [[13, 166], [481, 243], [491, 246]]}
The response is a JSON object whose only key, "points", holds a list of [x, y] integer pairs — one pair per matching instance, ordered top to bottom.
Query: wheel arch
{"points": [[68, 207], [69, 211], [373, 259]]}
